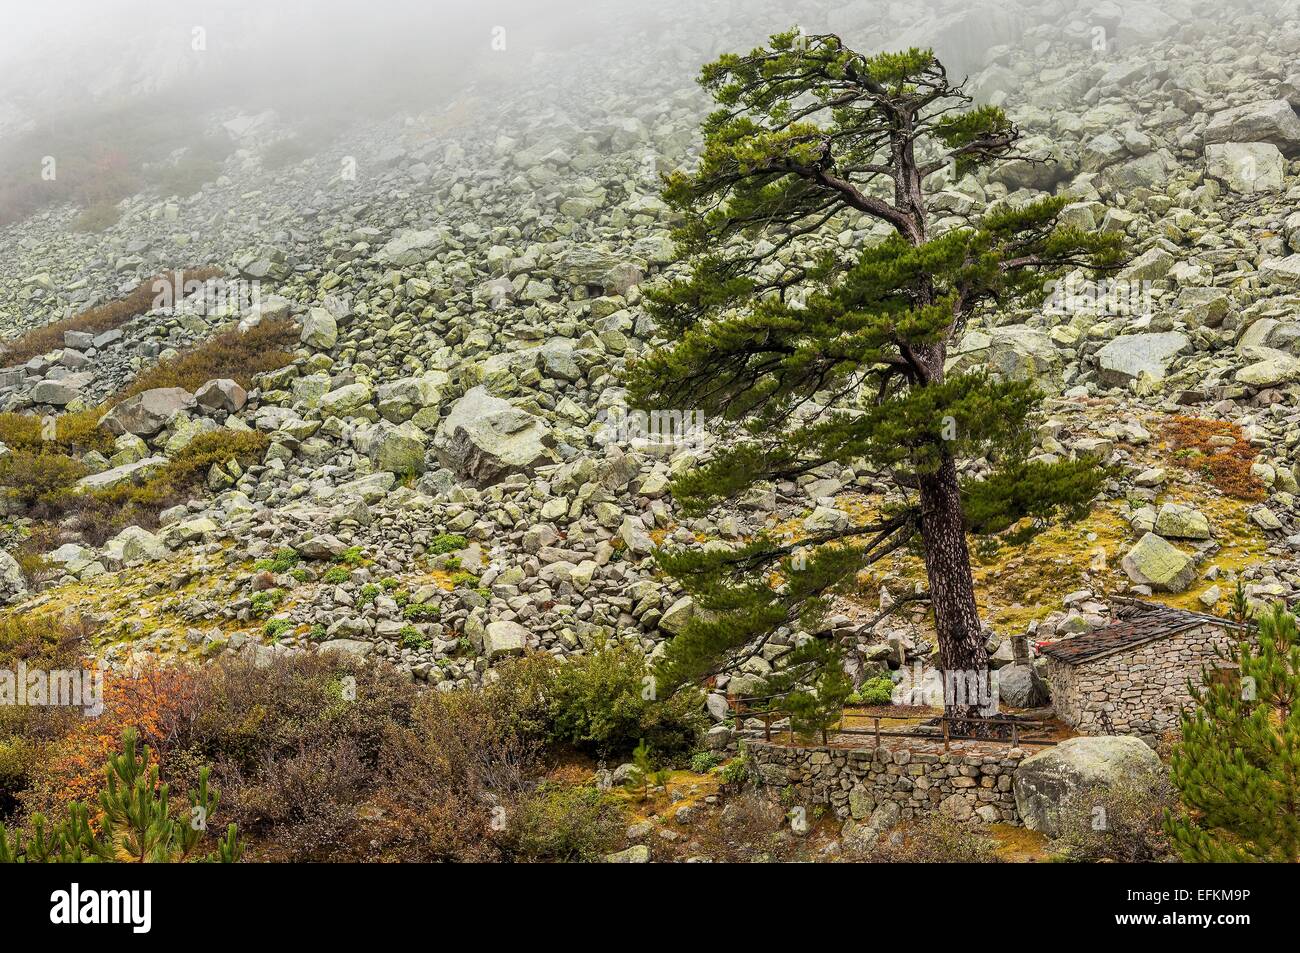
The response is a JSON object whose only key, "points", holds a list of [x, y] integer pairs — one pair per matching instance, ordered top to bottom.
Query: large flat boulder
{"points": [[1270, 120], [1246, 167], [1150, 171], [413, 247], [586, 265], [1281, 271], [319, 329], [1012, 352], [1131, 355], [1269, 368], [58, 393], [221, 394], [347, 400], [149, 412], [485, 438], [397, 448], [117, 476], [1176, 521], [136, 545], [1159, 564], [504, 638], [357, 648], [1045, 781]]}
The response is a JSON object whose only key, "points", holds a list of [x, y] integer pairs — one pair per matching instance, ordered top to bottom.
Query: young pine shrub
{"points": [[1235, 765], [135, 822]]}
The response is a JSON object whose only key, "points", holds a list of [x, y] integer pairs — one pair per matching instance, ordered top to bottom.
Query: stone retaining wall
{"points": [[968, 784]]}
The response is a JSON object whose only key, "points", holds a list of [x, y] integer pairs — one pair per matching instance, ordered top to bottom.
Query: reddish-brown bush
{"points": [[102, 317], [231, 353], [1203, 446]]}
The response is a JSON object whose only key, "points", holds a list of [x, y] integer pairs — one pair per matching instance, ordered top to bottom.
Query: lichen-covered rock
{"points": [[1272, 121], [1246, 167], [320, 329], [1128, 356], [221, 394], [149, 412], [484, 438], [398, 449], [1177, 521], [1157, 563], [12, 581], [504, 637], [1045, 781]]}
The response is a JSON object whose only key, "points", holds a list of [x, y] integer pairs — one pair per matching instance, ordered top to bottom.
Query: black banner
{"points": [[148, 903]]}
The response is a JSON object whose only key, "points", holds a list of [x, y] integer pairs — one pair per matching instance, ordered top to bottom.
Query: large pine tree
{"points": [[813, 339]]}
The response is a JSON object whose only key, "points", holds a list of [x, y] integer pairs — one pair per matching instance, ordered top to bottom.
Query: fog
{"points": [[306, 55], [146, 79]]}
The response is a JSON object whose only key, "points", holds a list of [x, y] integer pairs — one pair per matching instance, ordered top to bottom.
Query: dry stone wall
{"points": [[968, 785]]}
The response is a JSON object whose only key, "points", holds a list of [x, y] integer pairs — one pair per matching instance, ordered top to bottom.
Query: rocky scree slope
{"points": [[442, 486]]}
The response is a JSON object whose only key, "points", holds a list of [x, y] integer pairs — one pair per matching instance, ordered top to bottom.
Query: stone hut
{"points": [[1131, 677]]}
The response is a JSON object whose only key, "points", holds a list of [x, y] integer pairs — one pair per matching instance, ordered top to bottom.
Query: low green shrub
{"points": [[446, 543], [352, 556], [283, 560], [266, 602], [422, 612], [275, 628], [412, 638], [874, 691], [604, 702], [702, 762], [736, 771], [563, 823]]}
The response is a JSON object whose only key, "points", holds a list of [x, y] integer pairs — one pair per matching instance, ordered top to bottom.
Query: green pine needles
{"points": [[809, 317], [1238, 764], [135, 823]]}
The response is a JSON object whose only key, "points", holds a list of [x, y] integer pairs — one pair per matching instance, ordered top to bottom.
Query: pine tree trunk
{"points": [[962, 654]]}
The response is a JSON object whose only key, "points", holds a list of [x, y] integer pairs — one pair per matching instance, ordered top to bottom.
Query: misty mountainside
{"points": [[377, 405]]}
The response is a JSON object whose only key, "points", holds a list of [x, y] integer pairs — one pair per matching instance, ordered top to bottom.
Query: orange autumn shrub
{"points": [[1219, 451], [147, 700]]}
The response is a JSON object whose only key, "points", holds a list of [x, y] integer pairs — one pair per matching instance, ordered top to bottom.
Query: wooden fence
{"points": [[1013, 731]]}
